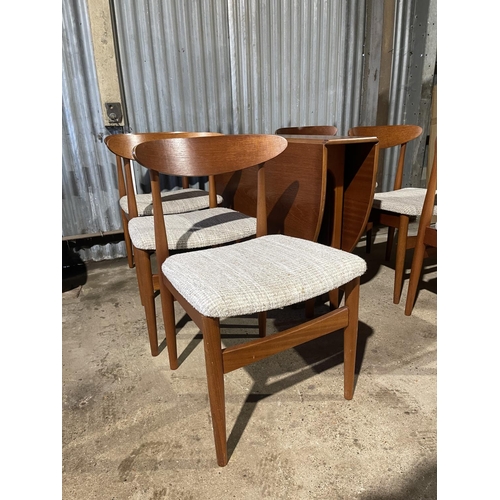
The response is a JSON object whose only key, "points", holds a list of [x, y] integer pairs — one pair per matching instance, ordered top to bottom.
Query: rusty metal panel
{"points": [[89, 189]]}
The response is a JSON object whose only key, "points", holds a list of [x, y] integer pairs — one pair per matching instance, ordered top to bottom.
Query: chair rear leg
{"points": [[369, 240], [128, 241], [390, 241], [400, 257], [416, 270], [146, 290], [334, 298], [309, 308], [262, 323], [351, 336], [215, 380]]}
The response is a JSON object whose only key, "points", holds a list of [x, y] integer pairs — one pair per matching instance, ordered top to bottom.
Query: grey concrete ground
{"points": [[134, 429]]}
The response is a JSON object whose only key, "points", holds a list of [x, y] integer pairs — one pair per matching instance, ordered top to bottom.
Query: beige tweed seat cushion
{"points": [[406, 201], [173, 202], [198, 229], [259, 275]]}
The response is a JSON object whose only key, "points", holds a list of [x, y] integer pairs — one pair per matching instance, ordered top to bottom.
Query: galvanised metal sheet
{"points": [[414, 57], [293, 63], [239, 66], [89, 197]]}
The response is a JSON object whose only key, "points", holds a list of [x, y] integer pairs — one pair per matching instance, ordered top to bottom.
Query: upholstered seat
{"points": [[407, 201], [173, 202], [197, 229], [262, 274]]}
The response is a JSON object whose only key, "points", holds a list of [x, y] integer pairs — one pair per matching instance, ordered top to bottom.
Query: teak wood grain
{"points": [[306, 186], [295, 190]]}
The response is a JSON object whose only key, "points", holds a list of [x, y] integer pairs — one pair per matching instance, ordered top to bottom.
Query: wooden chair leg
{"points": [[368, 240], [128, 241], [390, 241], [400, 257], [416, 269], [147, 293], [334, 298], [309, 305], [168, 312], [262, 323], [351, 336], [215, 380]]}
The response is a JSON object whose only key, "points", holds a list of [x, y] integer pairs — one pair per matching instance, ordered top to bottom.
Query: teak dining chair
{"points": [[308, 130], [137, 205], [394, 208], [187, 230], [426, 236], [261, 274]]}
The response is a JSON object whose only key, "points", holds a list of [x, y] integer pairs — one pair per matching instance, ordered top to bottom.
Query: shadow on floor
{"points": [[74, 269], [315, 357], [422, 486]]}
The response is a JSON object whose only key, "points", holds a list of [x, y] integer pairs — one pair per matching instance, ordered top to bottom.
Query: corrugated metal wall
{"points": [[232, 66], [240, 66], [413, 66], [89, 197]]}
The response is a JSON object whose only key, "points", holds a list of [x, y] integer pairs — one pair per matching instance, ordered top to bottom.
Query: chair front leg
{"points": [[390, 241], [400, 257], [415, 272], [147, 293], [168, 312], [351, 336], [215, 380]]}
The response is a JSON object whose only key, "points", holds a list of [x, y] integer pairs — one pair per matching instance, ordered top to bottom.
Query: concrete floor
{"points": [[134, 429]]}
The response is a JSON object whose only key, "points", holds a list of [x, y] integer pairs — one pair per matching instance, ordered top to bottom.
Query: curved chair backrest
{"points": [[308, 130], [390, 136], [123, 144], [207, 156]]}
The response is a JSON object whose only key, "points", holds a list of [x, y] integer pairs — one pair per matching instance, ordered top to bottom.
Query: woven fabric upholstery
{"points": [[406, 201], [174, 202], [196, 229], [259, 275]]}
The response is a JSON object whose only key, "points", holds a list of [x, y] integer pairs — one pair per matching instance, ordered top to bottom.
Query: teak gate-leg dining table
{"points": [[319, 188]]}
